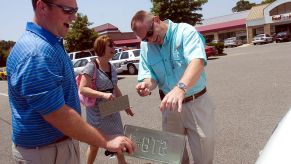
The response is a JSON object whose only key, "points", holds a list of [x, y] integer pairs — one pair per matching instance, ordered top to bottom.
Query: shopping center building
{"points": [[267, 18]]}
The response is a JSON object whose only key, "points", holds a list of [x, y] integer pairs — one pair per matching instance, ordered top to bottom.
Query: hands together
{"points": [[143, 89]]}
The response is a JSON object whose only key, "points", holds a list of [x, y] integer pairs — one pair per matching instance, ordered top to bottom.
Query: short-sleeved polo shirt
{"points": [[167, 63], [40, 81]]}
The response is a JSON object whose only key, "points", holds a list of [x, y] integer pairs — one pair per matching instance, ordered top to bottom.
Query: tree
{"points": [[267, 1], [243, 5], [179, 10], [80, 36], [5, 47]]}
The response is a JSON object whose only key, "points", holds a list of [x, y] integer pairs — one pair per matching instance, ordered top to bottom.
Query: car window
{"points": [[267, 35], [92, 53], [136, 53], [82, 54], [124, 55], [71, 56], [116, 56], [93, 58], [83, 63], [77, 64]]}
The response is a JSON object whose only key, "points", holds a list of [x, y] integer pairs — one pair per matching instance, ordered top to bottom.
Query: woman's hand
{"points": [[108, 96], [129, 111]]}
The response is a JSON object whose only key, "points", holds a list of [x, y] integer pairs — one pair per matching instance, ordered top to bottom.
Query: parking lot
{"points": [[250, 87]]}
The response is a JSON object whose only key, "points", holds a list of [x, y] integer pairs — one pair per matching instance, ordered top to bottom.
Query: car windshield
{"points": [[282, 33], [260, 35], [136, 53], [116, 56]]}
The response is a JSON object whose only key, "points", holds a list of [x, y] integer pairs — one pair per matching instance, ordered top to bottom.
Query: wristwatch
{"points": [[182, 86]]}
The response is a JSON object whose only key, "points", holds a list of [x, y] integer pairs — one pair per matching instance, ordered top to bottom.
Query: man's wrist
{"points": [[182, 86]]}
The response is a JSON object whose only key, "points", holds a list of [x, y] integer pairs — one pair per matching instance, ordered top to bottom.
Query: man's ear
{"points": [[40, 6]]}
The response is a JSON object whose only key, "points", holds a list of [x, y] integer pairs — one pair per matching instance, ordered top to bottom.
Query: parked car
{"points": [[283, 37], [262, 39], [217, 41], [232, 42], [211, 51], [81, 54], [127, 61], [80, 64], [3, 73]]}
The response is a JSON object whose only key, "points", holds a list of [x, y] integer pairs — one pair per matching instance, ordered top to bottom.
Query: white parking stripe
{"points": [[3, 94]]}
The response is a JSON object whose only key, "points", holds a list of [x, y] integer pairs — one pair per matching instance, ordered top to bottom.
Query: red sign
{"points": [[281, 17]]}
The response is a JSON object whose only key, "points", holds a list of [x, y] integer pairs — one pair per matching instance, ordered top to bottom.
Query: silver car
{"points": [[262, 39], [232, 42], [79, 64]]}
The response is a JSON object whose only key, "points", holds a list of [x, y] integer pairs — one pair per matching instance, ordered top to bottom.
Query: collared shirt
{"points": [[167, 63], [40, 81]]}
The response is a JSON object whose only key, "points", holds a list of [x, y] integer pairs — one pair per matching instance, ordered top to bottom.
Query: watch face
{"points": [[182, 86]]}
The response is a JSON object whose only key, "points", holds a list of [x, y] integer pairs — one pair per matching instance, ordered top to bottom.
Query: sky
{"points": [[15, 13]]}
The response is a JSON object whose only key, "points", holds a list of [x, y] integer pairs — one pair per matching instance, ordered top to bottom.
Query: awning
{"points": [[222, 26], [127, 41]]}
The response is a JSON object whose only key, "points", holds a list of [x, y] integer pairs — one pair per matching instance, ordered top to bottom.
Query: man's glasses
{"points": [[66, 9], [149, 33]]}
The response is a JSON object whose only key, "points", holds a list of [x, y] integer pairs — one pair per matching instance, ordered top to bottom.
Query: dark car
{"points": [[283, 37], [211, 51]]}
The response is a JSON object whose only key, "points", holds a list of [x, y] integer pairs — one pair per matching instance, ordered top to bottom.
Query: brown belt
{"points": [[195, 96], [186, 99]]}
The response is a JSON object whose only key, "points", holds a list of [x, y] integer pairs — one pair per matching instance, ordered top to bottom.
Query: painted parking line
{"points": [[3, 94]]}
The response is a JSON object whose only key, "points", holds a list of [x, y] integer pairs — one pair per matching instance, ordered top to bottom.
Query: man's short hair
{"points": [[34, 3], [140, 16]]}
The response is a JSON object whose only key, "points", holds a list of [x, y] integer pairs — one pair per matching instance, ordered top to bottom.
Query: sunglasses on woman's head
{"points": [[67, 10], [149, 33]]}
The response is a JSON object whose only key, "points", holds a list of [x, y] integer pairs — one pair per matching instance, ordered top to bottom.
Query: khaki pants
{"points": [[196, 121], [65, 152]]}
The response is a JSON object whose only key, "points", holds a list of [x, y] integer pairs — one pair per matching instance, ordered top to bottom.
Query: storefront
{"points": [[268, 18], [223, 27]]}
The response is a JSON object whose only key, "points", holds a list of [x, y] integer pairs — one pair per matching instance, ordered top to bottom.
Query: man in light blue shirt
{"points": [[173, 58]]}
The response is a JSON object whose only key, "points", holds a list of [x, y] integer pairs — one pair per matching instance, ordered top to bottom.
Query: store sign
{"points": [[281, 17]]}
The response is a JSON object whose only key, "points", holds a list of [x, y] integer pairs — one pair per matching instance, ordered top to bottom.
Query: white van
{"points": [[81, 54]]}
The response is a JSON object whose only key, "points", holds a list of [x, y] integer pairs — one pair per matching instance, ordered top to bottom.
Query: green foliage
{"points": [[267, 1], [243, 5], [179, 10], [80, 36], [219, 46], [5, 47]]}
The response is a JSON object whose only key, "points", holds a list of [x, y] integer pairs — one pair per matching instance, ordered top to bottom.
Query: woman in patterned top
{"points": [[107, 89]]}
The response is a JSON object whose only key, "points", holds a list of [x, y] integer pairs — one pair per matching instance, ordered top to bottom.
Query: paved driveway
{"points": [[250, 87]]}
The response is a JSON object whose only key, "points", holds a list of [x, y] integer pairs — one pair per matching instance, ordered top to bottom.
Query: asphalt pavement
{"points": [[250, 87]]}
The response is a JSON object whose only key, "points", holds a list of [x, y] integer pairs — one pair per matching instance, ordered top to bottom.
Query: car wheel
{"points": [[131, 69]]}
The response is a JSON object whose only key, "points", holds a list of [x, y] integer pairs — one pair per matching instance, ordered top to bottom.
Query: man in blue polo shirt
{"points": [[173, 58], [43, 95]]}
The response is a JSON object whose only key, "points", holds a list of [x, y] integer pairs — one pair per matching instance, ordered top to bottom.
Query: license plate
{"points": [[154, 145]]}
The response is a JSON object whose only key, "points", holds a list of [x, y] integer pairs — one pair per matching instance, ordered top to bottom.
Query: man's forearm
{"points": [[192, 72], [69, 122]]}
